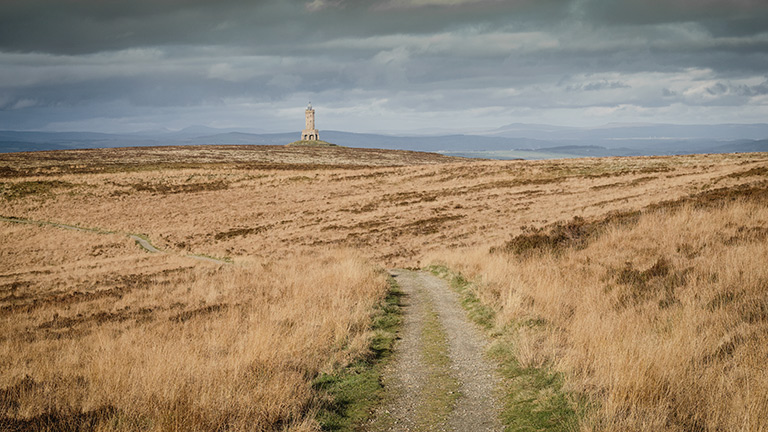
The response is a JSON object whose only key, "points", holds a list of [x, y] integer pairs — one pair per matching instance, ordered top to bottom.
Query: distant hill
{"points": [[508, 142], [745, 146]]}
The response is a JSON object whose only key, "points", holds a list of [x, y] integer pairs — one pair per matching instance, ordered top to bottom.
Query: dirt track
{"points": [[409, 379]]}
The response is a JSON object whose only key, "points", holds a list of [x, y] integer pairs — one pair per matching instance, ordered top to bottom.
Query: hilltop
{"points": [[312, 143], [209, 156]]}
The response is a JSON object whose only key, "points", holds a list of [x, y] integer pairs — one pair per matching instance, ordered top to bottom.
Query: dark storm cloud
{"points": [[723, 14], [86, 26], [556, 58]]}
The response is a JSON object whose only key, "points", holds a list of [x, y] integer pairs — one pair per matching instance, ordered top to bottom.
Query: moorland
{"points": [[639, 282]]}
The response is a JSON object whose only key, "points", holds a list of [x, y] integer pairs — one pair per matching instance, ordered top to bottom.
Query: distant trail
{"points": [[57, 225], [144, 243], [418, 380]]}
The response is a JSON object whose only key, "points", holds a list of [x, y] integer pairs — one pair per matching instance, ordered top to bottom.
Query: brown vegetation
{"points": [[133, 159], [393, 214], [641, 279], [660, 317], [129, 340]]}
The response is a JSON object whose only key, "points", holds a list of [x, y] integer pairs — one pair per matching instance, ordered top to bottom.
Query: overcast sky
{"points": [[379, 66]]}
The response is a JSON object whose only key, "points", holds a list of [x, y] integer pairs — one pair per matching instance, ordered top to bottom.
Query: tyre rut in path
{"points": [[429, 388]]}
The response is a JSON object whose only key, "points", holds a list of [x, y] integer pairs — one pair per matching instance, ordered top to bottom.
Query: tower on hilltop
{"points": [[309, 133]]}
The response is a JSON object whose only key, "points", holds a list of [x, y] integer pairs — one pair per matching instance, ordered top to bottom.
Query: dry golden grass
{"points": [[110, 160], [392, 214], [662, 322], [95, 329], [126, 340]]}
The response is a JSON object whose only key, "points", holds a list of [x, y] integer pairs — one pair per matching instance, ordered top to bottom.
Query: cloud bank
{"points": [[394, 65]]}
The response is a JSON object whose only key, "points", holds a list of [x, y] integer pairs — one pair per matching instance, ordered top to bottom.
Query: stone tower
{"points": [[309, 133]]}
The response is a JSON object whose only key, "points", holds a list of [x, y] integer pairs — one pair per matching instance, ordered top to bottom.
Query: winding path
{"points": [[141, 241], [413, 378], [440, 379]]}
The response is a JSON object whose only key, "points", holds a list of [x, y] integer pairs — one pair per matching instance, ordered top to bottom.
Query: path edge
{"points": [[353, 394], [532, 398]]}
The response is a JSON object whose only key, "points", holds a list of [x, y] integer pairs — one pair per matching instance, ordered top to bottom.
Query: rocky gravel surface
{"points": [[477, 406]]}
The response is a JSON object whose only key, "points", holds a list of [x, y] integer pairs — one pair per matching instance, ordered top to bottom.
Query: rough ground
{"points": [[304, 158], [267, 203], [142, 242], [407, 379]]}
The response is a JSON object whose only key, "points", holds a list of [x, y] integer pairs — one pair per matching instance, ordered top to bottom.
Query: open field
{"points": [[127, 159], [392, 214], [655, 312], [661, 318], [98, 334]]}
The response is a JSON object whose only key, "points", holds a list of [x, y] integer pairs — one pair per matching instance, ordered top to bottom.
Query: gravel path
{"points": [[476, 409]]}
